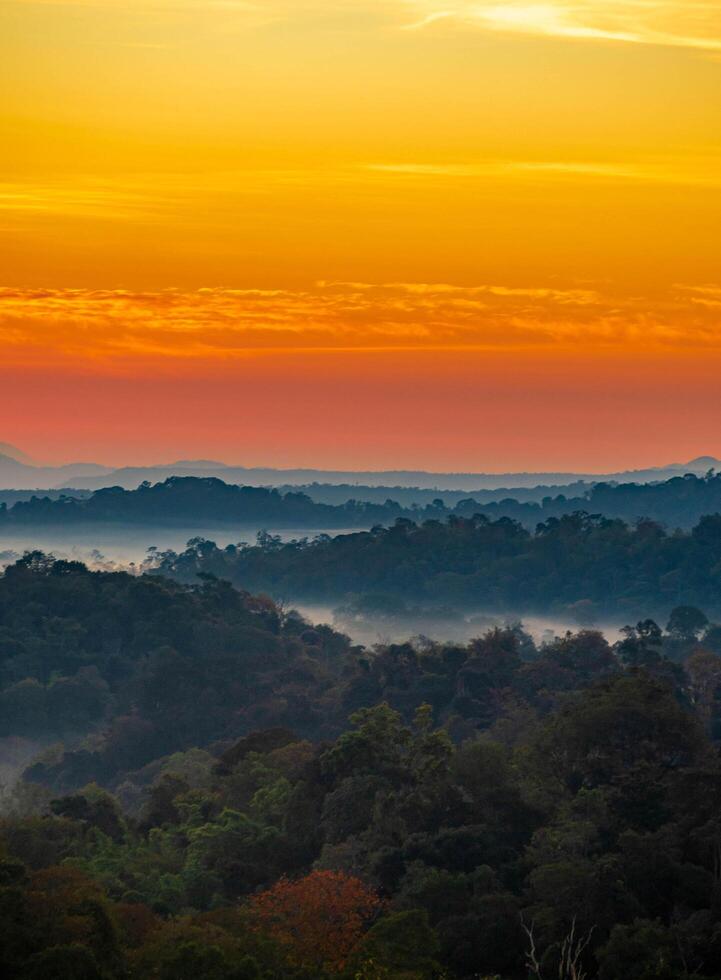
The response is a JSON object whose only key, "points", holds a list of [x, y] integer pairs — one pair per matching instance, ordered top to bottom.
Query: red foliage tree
{"points": [[320, 917]]}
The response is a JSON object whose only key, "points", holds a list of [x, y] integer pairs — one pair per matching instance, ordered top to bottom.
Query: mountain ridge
{"points": [[15, 474], [131, 476]]}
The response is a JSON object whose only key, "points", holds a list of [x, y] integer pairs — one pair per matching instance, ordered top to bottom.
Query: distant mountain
{"points": [[14, 453], [18, 472], [18, 475], [130, 477]]}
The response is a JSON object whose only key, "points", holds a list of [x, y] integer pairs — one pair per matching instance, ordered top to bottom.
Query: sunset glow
{"points": [[458, 235]]}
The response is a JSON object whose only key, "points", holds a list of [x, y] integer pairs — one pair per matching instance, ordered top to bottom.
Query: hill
{"points": [[12, 452], [17, 474], [183, 501], [194, 501], [578, 564], [205, 807]]}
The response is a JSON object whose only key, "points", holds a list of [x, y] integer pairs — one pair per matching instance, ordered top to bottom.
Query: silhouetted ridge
{"points": [[678, 502]]}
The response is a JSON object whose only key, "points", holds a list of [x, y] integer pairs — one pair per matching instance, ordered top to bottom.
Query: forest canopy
{"points": [[679, 502], [580, 563], [225, 791]]}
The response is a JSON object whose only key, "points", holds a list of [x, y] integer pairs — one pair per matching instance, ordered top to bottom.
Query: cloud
{"points": [[150, 6], [264, 10], [428, 20], [675, 23], [687, 171], [165, 197], [707, 296], [124, 328]]}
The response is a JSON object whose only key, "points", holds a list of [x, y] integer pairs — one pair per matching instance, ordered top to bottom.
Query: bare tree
{"points": [[571, 950], [532, 963]]}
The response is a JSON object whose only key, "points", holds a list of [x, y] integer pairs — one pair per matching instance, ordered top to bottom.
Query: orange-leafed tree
{"points": [[320, 917]]}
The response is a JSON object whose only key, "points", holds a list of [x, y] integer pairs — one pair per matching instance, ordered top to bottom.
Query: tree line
{"points": [[677, 503], [584, 564]]}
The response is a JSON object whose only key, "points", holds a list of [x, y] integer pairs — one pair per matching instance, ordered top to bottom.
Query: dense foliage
{"points": [[407, 496], [12, 497], [190, 501], [679, 502], [579, 563], [165, 666], [491, 809]]}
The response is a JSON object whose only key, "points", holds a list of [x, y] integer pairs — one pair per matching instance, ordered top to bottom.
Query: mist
{"points": [[125, 546], [451, 625]]}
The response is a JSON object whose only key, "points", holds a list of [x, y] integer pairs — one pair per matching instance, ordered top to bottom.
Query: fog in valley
{"points": [[103, 545], [128, 548], [367, 620], [453, 626]]}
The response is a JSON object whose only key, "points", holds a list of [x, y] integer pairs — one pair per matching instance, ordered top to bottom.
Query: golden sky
{"points": [[367, 190]]}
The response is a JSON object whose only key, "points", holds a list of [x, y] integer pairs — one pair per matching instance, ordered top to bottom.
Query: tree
{"points": [[686, 623], [642, 643], [704, 671], [630, 728], [320, 917], [402, 944], [644, 950], [567, 959], [191, 960], [71, 962]]}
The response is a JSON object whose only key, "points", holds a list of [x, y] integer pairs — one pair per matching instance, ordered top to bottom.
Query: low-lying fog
{"points": [[109, 545], [124, 545], [457, 627]]}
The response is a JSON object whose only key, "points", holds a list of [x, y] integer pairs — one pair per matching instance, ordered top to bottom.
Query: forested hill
{"points": [[339, 493], [12, 497], [194, 500], [190, 501], [677, 503], [592, 564], [214, 812]]}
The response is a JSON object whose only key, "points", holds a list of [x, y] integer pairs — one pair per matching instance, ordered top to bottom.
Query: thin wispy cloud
{"points": [[146, 5], [428, 20], [676, 23], [692, 24], [689, 171], [166, 197], [707, 296]]}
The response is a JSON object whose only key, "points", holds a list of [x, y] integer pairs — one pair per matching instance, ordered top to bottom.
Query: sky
{"points": [[437, 234]]}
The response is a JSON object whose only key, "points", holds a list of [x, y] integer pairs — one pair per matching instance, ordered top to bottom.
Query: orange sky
{"points": [[361, 233]]}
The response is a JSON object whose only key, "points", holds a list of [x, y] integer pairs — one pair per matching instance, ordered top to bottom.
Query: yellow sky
{"points": [[184, 143], [496, 224]]}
